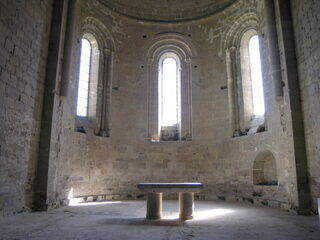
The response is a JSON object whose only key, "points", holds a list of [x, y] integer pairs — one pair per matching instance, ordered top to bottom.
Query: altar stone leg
{"points": [[154, 206], [186, 206]]}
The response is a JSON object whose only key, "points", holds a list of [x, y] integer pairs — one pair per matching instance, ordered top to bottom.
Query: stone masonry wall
{"points": [[306, 19], [24, 27], [112, 167]]}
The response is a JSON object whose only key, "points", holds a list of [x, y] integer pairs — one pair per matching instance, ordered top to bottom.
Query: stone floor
{"points": [[125, 220]]}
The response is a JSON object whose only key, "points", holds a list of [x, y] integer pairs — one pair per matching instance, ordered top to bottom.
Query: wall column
{"points": [[290, 76], [52, 85], [106, 94]]}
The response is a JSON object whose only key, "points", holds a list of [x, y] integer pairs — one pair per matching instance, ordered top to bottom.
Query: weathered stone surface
{"points": [[162, 10], [306, 18], [24, 27], [93, 165], [100, 167]]}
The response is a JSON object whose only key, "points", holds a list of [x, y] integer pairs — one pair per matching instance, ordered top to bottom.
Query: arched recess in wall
{"points": [[179, 48], [100, 78], [240, 82], [265, 169]]}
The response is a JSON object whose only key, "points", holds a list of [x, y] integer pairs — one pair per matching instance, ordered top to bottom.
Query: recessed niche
{"points": [[265, 169]]}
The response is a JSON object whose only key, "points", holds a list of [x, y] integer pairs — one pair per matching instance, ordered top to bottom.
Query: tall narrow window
{"points": [[84, 75], [256, 76], [94, 81], [169, 96], [251, 98]]}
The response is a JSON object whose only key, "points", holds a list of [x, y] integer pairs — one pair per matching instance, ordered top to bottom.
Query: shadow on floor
{"points": [[143, 221]]}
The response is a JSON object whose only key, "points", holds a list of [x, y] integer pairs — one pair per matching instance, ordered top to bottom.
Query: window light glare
{"points": [[84, 73], [256, 76], [169, 92]]}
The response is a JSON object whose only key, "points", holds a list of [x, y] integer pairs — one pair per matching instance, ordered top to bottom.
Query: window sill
{"points": [[256, 125], [246, 134]]}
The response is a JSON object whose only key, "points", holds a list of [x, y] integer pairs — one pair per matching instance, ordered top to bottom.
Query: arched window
{"points": [[95, 57], [245, 76], [256, 76], [84, 77], [87, 92], [169, 95], [169, 105], [252, 113]]}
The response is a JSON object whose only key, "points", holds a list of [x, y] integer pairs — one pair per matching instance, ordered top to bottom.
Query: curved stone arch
{"points": [[145, 12], [247, 21], [102, 34], [165, 40], [182, 47], [169, 48], [265, 169]]}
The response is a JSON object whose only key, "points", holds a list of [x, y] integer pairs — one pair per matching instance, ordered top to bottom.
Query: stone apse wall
{"points": [[25, 27], [112, 166]]}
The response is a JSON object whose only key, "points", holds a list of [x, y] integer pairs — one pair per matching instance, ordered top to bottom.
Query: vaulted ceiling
{"points": [[166, 10]]}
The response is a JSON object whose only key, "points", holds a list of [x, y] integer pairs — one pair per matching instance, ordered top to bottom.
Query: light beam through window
{"points": [[84, 73], [256, 76], [169, 98]]}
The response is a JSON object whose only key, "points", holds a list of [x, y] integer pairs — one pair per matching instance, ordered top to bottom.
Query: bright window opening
{"points": [[84, 73], [256, 76], [168, 92]]}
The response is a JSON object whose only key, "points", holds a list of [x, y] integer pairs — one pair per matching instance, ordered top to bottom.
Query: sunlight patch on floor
{"points": [[79, 201], [212, 213]]}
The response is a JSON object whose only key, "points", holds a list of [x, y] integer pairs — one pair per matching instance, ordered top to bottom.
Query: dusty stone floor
{"points": [[125, 220]]}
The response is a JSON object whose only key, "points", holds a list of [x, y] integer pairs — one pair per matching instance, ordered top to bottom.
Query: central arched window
{"points": [[169, 79], [169, 89], [169, 96]]}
